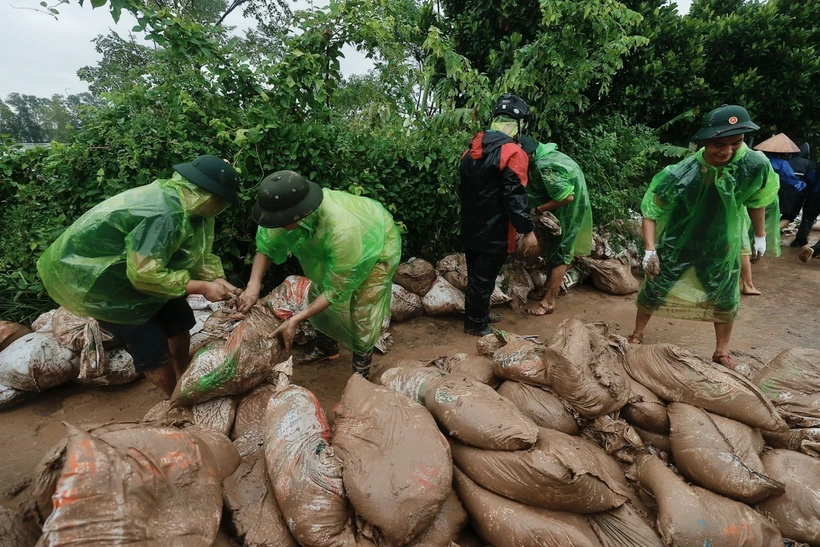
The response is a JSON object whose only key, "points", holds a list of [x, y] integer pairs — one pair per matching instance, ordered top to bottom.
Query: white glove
{"points": [[759, 248], [651, 264]]}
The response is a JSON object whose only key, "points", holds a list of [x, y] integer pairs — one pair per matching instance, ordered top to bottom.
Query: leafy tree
{"points": [[121, 67]]}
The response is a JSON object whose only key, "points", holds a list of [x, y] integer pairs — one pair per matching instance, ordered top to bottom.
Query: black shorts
{"points": [[148, 343]]}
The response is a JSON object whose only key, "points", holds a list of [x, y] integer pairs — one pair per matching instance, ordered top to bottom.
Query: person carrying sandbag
{"points": [[557, 184], [494, 207], [693, 217], [348, 246], [130, 261]]}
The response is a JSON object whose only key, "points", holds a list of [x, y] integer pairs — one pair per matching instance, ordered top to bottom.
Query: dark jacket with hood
{"points": [[494, 203]]}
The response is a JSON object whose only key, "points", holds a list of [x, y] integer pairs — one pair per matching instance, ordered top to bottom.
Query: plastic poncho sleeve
{"points": [[558, 184], [767, 193], [658, 201], [272, 243], [148, 249], [348, 263], [211, 265]]}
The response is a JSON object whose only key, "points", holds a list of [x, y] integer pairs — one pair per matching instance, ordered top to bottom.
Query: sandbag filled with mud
{"points": [[453, 268], [416, 275], [613, 276], [516, 283], [288, 299], [443, 299], [404, 305], [11, 331], [84, 335], [487, 345], [523, 360], [36, 362], [235, 365], [473, 366], [379, 368], [120, 371], [590, 374], [676, 375], [409, 381], [792, 381], [541, 405], [645, 409], [250, 411], [217, 414], [475, 414], [615, 436], [805, 440], [660, 441], [386, 443], [720, 454], [304, 470], [560, 473], [136, 484], [249, 499], [797, 512], [689, 515], [500, 521], [624, 526], [19, 527], [446, 527]]}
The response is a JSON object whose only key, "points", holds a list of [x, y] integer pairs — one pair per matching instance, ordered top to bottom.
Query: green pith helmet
{"points": [[725, 121], [214, 175], [285, 197]]}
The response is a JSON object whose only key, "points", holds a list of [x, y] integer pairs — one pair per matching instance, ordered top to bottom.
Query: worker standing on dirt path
{"points": [[779, 149], [806, 170], [558, 184], [494, 207], [693, 217], [348, 246], [130, 261]]}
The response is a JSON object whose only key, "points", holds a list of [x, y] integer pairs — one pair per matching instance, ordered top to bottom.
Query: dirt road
{"points": [[785, 316]]}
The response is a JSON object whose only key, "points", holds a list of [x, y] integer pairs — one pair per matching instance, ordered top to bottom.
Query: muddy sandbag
{"points": [[453, 268], [416, 275], [613, 276], [517, 284], [288, 299], [443, 299], [404, 305], [43, 323], [10, 332], [84, 335], [487, 345], [523, 361], [37, 362], [235, 365], [473, 366], [378, 369], [120, 371], [676, 375], [590, 376], [409, 381], [792, 381], [10, 397], [541, 405], [645, 409], [250, 411], [217, 414], [475, 414], [615, 436], [805, 440], [661, 441], [386, 443], [725, 463], [304, 470], [560, 473], [137, 484], [249, 499], [797, 513], [689, 515], [500, 521], [624, 526], [19, 527], [446, 527]]}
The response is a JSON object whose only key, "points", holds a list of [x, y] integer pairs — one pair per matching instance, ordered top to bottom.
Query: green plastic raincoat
{"points": [[555, 176], [699, 210], [747, 232], [349, 248], [124, 259]]}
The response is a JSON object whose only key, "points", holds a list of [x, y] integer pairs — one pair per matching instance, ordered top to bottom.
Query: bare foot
{"points": [[749, 290], [540, 309], [635, 338], [724, 359]]}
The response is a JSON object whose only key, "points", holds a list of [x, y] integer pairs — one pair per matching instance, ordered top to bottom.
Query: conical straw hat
{"points": [[779, 144]]}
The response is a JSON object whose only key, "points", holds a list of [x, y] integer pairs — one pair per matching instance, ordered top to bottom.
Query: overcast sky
{"points": [[42, 55]]}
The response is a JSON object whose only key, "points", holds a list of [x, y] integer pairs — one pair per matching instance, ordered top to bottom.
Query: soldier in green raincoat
{"points": [[557, 184], [693, 219], [348, 246], [130, 261]]}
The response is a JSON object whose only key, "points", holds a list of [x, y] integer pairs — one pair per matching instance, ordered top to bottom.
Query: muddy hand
{"points": [[217, 292], [248, 298], [287, 331]]}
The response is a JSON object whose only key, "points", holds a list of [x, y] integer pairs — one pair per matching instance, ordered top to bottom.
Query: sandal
{"points": [[540, 310], [634, 339], [725, 360]]}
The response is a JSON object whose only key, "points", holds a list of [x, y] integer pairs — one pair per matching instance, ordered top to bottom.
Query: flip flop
{"points": [[539, 310], [634, 339], [725, 360]]}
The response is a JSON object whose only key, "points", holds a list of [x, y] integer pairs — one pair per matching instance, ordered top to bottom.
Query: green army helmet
{"points": [[725, 121], [214, 175], [285, 197]]}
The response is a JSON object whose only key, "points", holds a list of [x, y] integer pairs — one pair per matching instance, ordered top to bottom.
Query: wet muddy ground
{"points": [[785, 316]]}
